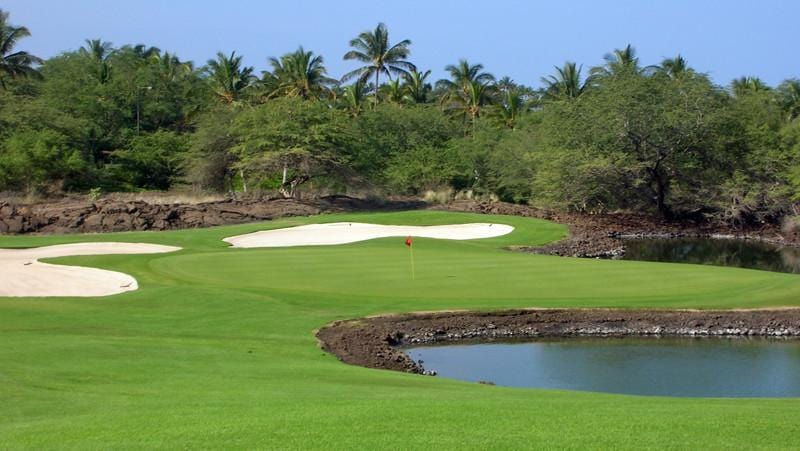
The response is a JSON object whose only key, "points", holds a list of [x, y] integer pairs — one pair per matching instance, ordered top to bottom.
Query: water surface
{"points": [[711, 251], [692, 367]]}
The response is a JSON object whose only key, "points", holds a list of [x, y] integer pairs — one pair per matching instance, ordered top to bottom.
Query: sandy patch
{"points": [[350, 232], [21, 274]]}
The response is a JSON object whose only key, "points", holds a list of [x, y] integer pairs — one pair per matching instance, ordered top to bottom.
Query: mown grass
{"points": [[216, 350]]}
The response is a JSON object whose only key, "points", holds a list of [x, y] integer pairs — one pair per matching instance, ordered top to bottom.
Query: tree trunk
{"points": [[377, 78], [244, 182]]}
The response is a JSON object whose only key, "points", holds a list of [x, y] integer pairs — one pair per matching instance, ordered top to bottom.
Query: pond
{"points": [[711, 251], [690, 367]]}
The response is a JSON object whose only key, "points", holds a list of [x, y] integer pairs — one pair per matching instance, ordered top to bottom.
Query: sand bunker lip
{"points": [[351, 232], [22, 275]]}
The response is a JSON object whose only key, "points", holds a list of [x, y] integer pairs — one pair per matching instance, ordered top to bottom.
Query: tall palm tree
{"points": [[374, 49], [99, 52], [618, 62], [14, 64], [300, 74], [464, 74], [228, 77], [566, 82], [745, 85], [416, 87], [789, 95], [471, 99]]}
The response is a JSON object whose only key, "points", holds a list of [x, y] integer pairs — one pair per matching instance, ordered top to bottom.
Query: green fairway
{"points": [[217, 348]]}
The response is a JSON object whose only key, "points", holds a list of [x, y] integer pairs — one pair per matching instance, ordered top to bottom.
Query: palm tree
{"points": [[373, 48], [98, 49], [142, 51], [99, 52], [620, 61], [14, 64], [675, 67], [171, 68], [299, 74], [464, 74], [228, 78], [566, 82], [744, 85], [417, 90], [394, 91], [789, 95], [355, 96], [471, 99], [512, 105]]}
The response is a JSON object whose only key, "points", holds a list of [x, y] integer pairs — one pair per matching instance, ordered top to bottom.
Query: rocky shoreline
{"points": [[116, 215], [376, 342]]}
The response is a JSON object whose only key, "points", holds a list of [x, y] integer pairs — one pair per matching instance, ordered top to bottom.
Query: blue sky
{"points": [[521, 39]]}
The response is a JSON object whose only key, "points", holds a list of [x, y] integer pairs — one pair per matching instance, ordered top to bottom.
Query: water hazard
{"points": [[720, 252], [690, 367]]}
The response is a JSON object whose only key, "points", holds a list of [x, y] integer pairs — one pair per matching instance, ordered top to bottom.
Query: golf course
{"points": [[217, 347]]}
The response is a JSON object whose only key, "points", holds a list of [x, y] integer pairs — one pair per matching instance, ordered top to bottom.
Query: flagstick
{"points": [[411, 252]]}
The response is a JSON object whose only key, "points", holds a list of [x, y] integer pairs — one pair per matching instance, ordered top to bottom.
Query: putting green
{"points": [[216, 349]]}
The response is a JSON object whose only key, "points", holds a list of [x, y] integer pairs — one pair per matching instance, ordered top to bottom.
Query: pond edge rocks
{"points": [[375, 342]]}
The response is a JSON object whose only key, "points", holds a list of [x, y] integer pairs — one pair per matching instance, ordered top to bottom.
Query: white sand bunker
{"points": [[350, 232], [22, 275]]}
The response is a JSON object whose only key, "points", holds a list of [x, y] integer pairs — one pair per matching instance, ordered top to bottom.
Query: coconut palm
{"points": [[374, 49], [99, 52], [620, 61], [14, 64], [170, 67], [675, 67], [299, 74], [463, 75], [228, 77], [566, 82], [744, 85], [416, 88], [394, 91], [789, 96], [354, 97], [471, 99], [513, 104]]}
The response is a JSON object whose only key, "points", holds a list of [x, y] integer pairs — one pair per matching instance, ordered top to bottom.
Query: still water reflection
{"points": [[720, 252], [708, 367]]}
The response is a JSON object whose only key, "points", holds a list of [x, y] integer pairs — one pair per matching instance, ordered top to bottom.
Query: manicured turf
{"points": [[217, 348]]}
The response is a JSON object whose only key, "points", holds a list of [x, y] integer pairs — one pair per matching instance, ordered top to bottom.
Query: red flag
{"points": [[408, 241]]}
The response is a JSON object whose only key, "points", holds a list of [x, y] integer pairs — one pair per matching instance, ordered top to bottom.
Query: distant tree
{"points": [[99, 52], [380, 56], [620, 61], [14, 64], [675, 67], [300, 74], [463, 74], [228, 78], [566, 82], [744, 85], [416, 87], [394, 91], [354, 97], [789, 97], [471, 99], [512, 104], [287, 142]]}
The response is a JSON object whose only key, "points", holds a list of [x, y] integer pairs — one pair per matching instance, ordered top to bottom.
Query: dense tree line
{"points": [[621, 136]]}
